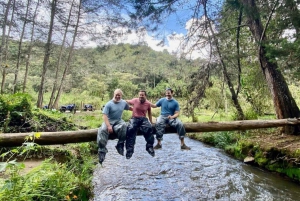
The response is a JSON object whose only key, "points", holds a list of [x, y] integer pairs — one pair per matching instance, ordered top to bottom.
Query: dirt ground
{"points": [[275, 139], [33, 162], [30, 164]]}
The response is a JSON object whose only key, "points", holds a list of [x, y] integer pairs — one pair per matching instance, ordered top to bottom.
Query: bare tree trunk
{"points": [[3, 42], [30, 47], [238, 50], [47, 55], [69, 57], [15, 83], [234, 95], [284, 103], [51, 105]]}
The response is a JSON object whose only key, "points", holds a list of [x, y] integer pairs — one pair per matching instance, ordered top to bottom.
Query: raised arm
{"points": [[153, 105]]}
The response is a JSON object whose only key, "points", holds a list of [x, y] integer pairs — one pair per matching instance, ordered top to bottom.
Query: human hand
{"points": [[110, 130]]}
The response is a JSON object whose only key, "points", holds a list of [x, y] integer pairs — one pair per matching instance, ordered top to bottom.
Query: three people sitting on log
{"points": [[112, 123]]}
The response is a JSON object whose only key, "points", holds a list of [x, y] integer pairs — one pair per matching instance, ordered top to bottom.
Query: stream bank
{"points": [[265, 148]]}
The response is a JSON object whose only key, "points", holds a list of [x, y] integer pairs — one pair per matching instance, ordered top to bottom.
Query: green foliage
{"points": [[158, 91], [15, 110], [3, 111], [155, 112], [249, 113], [126, 115], [88, 119], [48, 120], [203, 137], [218, 139], [222, 139], [29, 147], [261, 161], [293, 173], [51, 180], [47, 182]]}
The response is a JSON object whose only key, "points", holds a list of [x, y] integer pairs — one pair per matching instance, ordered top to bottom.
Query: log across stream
{"points": [[64, 137]]}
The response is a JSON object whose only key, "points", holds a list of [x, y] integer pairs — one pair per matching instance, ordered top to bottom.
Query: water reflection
{"points": [[203, 173]]}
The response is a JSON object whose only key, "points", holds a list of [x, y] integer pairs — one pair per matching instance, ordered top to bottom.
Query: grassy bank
{"points": [[62, 173]]}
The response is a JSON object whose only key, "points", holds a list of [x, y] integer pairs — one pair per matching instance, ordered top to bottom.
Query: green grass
{"points": [[52, 180]]}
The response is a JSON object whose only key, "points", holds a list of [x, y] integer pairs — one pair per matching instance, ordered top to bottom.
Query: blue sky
{"points": [[173, 30]]}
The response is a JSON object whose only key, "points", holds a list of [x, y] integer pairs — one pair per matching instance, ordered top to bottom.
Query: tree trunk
{"points": [[3, 42], [30, 47], [47, 55], [69, 57], [15, 83], [234, 95], [284, 103], [51, 105], [64, 137]]}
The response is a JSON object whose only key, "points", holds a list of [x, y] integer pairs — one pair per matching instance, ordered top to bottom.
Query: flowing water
{"points": [[202, 173]]}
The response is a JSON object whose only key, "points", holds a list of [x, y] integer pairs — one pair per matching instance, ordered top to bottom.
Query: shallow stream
{"points": [[203, 173]]}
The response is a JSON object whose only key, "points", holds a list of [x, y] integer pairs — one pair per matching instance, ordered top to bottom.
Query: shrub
{"points": [[15, 111], [51, 180]]}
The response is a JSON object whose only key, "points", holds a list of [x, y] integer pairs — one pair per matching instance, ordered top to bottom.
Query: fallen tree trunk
{"points": [[64, 137]]}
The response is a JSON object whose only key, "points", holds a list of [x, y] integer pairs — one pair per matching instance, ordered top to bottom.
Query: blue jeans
{"points": [[161, 123]]}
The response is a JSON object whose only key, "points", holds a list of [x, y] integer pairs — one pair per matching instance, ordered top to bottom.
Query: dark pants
{"points": [[144, 126], [119, 129]]}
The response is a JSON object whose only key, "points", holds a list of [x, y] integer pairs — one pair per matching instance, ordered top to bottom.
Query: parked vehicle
{"points": [[70, 107], [88, 107]]}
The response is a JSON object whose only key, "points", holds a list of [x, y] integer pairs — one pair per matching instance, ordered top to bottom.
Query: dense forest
{"points": [[251, 65]]}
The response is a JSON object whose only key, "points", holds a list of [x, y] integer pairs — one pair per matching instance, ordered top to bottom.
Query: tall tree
{"points": [[25, 21], [202, 29], [215, 41], [3, 44], [30, 45], [47, 54], [69, 59], [284, 103], [51, 105]]}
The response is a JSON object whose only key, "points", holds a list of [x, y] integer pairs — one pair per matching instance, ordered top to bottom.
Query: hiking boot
{"points": [[158, 146], [184, 147], [120, 149], [150, 151], [129, 154], [101, 156]]}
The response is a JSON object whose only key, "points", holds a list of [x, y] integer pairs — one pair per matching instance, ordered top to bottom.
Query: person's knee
{"points": [[102, 137], [102, 143]]}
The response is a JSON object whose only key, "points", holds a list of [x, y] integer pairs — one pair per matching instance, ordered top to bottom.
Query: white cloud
{"points": [[289, 34], [176, 43]]}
